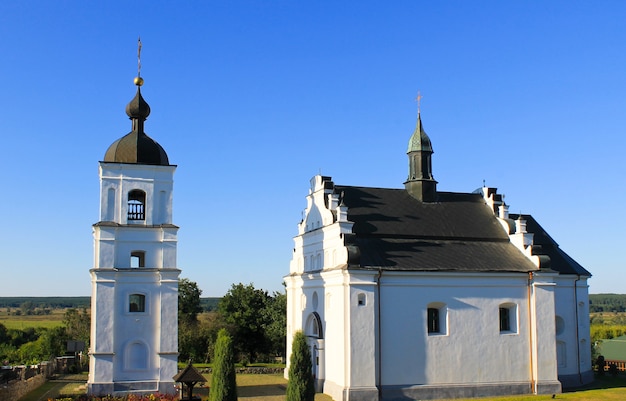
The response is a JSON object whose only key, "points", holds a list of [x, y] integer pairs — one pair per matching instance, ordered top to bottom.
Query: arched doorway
{"points": [[315, 338]]}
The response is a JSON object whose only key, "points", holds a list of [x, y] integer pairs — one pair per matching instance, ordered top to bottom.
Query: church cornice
{"points": [[114, 224]]}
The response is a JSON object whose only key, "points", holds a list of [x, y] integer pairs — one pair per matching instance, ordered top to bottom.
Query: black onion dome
{"points": [[138, 107], [136, 147]]}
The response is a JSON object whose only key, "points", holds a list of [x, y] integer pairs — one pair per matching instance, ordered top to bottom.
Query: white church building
{"points": [[414, 293], [134, 298]]}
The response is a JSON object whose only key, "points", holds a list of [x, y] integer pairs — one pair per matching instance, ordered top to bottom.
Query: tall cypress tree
{"points": [[223, 383], [300, 386]]}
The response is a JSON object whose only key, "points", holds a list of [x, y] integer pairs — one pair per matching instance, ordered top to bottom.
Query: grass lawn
{"points": [[64, 384], [253, 387], [270, 387]]}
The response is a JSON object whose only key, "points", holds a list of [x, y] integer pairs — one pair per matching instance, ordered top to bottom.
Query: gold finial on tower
{"points": [[138, 80], [418, 99]]}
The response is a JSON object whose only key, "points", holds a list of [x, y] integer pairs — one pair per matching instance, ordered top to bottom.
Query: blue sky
{"points": [[251, 99]]}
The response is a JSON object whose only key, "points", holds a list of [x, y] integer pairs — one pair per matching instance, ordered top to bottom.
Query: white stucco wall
{"points": [[156, 181], [572, 334], [134, 350], [411, 356]]}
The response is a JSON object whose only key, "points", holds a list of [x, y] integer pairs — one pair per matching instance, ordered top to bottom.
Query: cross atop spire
{"points": [[139, 56], [138, 80], [418, 99]]}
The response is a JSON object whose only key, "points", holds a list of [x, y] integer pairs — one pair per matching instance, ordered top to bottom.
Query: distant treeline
{"points": [[46, 302], [597, 302], [607, 303], [208, 304]]}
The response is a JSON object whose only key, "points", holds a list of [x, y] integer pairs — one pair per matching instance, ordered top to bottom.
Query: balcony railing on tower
{"points": [[136, 205], [136, 210]]}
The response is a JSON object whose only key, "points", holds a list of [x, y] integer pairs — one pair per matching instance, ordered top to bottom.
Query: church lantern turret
{"points": [[420, 184]]}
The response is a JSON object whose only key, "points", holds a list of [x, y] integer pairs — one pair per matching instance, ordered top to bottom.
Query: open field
{"points": [[54, 319]]}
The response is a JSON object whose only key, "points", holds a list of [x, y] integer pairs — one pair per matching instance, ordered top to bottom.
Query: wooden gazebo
{"points": [[188, 378]]}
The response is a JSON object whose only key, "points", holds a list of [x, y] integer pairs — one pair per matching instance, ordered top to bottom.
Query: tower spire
{"points": [[138, 109], [137, 147], [420, 184]]}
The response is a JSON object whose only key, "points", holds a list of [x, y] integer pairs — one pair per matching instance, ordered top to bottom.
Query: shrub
{"points": [[223, 383], [300, 386]]}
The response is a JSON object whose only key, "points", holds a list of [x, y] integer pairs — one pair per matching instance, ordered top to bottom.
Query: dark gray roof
{"points": [[136, 147], [458, 232], [545, 245], [189, 375]]}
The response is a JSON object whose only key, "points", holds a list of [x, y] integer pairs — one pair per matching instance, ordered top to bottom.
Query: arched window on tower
{"points": [[136, 205], [137, 259]]}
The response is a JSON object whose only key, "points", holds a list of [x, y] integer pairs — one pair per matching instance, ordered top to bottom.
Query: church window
{"points": [[136, 205], [137, 259], [361, 299], [137, 303], [436, 318], [508, 318], [433, 320], [505, 321], [313, 326]]}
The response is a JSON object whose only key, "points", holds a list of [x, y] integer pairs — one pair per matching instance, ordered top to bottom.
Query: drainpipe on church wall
{"points": [[380, 330], [530, 333], [580, 375]]}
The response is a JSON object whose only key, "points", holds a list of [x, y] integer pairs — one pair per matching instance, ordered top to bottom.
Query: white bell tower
{"points": [[134, 281]]}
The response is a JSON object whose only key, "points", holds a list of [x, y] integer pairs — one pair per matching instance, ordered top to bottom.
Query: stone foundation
{"points": [[439, 391]]}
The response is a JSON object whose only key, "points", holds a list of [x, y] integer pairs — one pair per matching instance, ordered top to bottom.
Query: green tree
{"points": [[188, 300], [27, 307], [243, 309], [276, 323], [77, 325], [210, 325], [4, 336], [53, 342], [191, 343], [31, 352], [8, 354], [223, 382], [300, 386]]}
